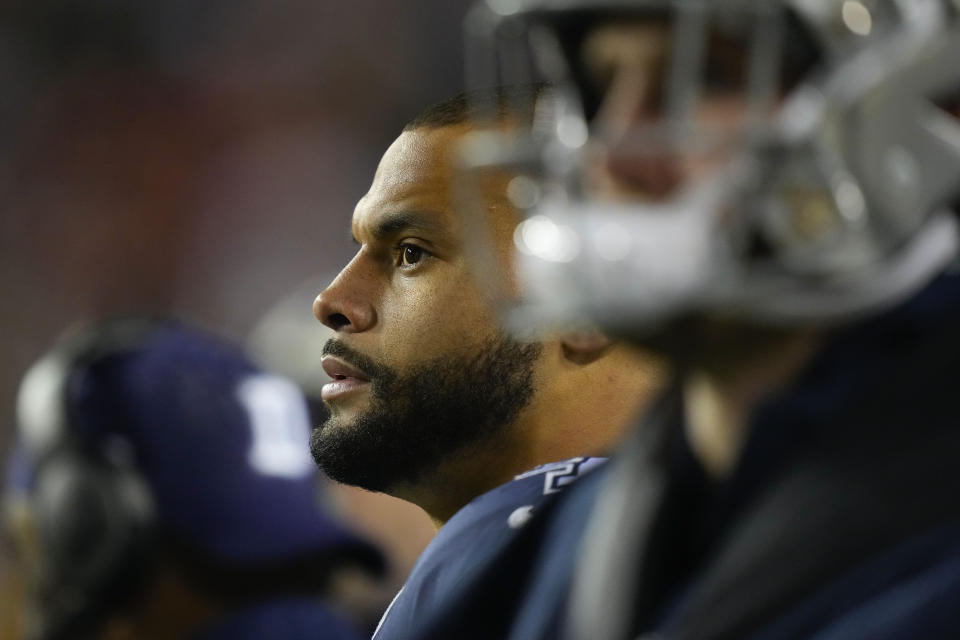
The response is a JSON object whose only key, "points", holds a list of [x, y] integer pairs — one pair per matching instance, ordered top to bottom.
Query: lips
{"points": [[655, 178], [337, 369], [346, 378]]}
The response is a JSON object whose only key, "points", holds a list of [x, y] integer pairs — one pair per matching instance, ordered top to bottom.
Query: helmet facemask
{"points": [[780, 161]]}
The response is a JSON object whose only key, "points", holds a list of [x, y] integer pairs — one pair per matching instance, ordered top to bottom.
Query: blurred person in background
{"points": [[133, 134], [767, 193], [431, 400], [162, 487]]}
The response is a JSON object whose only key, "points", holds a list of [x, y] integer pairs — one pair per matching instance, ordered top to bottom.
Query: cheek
{"points": [[424, 319]]}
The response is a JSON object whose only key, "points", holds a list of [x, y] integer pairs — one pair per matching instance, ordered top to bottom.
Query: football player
{"points": [[766, 191], [431, 400], [163, 488]]}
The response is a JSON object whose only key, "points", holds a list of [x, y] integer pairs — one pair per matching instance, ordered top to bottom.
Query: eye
{"points": [[411, 254]]}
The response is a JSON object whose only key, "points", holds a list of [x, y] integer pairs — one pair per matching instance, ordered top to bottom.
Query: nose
{"points": [[633, 97], [346, 304]]}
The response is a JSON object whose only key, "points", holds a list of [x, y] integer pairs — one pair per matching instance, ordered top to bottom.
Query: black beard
{"points": [[423, 416]]}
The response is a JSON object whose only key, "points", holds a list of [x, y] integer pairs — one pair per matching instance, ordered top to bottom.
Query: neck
{"points": [[720, 394], [461, 478]]}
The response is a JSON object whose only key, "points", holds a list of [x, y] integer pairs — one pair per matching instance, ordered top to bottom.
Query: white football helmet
{"points": [[783, 161]]}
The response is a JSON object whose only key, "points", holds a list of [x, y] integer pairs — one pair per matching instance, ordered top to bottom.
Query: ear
{"points": [[583, 346]]}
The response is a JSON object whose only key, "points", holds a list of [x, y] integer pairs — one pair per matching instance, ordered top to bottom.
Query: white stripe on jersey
{"points": [[385, 614]]}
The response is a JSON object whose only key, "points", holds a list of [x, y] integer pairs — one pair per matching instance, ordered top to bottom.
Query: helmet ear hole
{"points": [[758, 248]]}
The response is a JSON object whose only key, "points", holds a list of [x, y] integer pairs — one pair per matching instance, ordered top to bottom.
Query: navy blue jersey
{"points": [[474, 535]]}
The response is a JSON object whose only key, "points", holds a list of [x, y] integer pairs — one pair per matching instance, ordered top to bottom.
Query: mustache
{"points": [[367, 365]]}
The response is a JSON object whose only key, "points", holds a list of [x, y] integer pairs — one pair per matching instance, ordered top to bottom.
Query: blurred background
{"points": [[200, 159]]}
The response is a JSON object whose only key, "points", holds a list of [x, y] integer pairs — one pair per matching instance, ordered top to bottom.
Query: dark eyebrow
{"points": [[393, 223]]}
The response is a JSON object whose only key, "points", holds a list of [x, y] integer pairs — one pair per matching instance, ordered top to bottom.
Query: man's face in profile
{"points": [[421, 368]]}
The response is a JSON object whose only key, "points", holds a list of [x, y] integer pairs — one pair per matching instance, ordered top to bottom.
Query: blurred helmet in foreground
{"points": [[784, 161]]}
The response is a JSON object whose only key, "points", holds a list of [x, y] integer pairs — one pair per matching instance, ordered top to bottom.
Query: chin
{"points": [[346, 410]]}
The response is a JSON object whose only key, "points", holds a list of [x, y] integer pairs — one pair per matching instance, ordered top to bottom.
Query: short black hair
{"points": [[492, 103]]}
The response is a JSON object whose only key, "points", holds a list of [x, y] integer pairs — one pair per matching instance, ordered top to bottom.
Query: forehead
{"points": [[415, 174]]}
